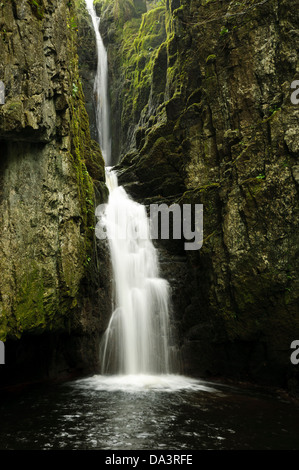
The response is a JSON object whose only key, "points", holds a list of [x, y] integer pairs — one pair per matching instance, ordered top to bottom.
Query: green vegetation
{"points": [[38, 8], [223, 31], [140, 39], [211, 58], [47, 297]]}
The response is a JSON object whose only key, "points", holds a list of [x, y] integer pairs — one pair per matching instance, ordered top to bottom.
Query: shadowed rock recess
{"points": [[201, 113], [54, 284]]}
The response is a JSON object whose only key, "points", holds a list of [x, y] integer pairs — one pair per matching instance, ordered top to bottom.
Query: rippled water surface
{"points": [[152, 413]]}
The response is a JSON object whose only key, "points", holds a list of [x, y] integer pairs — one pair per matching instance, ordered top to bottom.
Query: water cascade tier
{"points": [[101, 88], [138, 338], [138, 346]]}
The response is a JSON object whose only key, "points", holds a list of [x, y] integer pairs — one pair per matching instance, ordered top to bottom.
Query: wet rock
{"points": [[218, 128], [54, 294]]}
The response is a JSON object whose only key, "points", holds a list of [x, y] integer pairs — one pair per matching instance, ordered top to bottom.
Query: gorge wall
{"points": [[200, 99], [201, 113], [55, 284]]}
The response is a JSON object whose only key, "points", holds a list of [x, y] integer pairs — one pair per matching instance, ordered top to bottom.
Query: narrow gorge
{"points": [[191, 102], [201, 113], [54, 288]]}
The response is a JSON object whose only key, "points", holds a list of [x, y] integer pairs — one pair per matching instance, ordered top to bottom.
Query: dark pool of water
{"points": [[72, 416]]}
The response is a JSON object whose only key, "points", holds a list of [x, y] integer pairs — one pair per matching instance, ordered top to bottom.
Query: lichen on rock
{"points": [[207, 118], [52, 175]]}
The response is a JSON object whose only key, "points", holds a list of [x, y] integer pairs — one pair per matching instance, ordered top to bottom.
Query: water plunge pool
{"points": [[147, 413]]}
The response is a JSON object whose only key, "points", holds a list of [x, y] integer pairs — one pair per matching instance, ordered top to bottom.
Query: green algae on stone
{"points": [[37, 8], [213, 124], [49, 223]]}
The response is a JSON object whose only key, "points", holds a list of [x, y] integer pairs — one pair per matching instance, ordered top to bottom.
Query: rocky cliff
{"points": [[200, 98], [201, 114], [54, 286]]}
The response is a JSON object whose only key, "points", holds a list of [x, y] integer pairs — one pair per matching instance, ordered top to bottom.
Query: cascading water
{"points": [[101, 88], [137, 340], [137, 346]]}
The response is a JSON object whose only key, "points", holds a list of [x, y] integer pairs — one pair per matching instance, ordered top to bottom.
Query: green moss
{"points": [[38, 8], [224, 30], [140, 39], [210, 58], [14, 105], [85, 154], [48, 293], [36, 306], [30, 312], [3, 323]]}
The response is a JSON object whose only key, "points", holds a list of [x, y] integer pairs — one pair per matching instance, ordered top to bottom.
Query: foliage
{"points": [[38, 8]]}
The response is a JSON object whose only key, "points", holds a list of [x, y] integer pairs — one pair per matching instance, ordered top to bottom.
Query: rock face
{"points": [[87, 55], [201, 93], [55, 284]]}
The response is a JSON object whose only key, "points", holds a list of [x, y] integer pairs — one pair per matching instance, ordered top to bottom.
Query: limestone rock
{"points": [[208, 119], [54, 282]]}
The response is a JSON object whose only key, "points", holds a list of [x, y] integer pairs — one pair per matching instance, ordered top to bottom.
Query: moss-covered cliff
{"points": [[200, 97], [200, 113], [54, 295]]}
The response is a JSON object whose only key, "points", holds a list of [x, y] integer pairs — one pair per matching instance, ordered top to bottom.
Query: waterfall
{"points": [[101, 88], [137, 340]]}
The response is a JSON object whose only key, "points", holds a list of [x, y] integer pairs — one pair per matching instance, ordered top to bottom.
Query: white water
{"points": [[101, 88], [137, 340], [137, 346], [143, 382]]}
